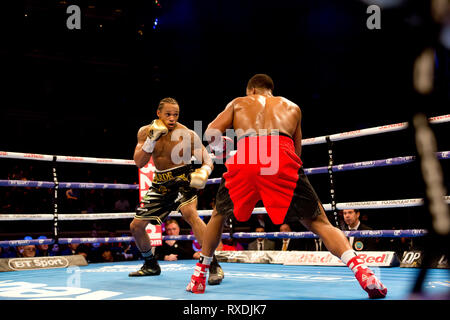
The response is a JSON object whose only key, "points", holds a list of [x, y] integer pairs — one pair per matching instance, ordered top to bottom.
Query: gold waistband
{"points": [[171, 174]]}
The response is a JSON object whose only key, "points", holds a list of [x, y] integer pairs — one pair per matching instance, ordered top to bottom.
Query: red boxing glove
{"points": [[221, 148], [198, 279]]}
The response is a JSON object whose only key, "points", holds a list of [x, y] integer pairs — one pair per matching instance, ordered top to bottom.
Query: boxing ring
{"points": [[110, 281], [243, 281]]}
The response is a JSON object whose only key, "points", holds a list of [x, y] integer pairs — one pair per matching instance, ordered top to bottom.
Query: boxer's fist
{"points": [[156, 130], [221, 147], [199, 177]]}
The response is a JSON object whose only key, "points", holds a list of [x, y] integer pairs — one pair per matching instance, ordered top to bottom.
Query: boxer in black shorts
{"points": [[171, 145]]}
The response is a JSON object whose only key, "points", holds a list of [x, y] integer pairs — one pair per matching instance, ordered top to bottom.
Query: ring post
{"points": [[331, 180], [55, 202], [434, 205]]}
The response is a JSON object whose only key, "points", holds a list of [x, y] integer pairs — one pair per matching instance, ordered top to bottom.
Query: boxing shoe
{"points": [[150, 268], [216, 273], [198, 279], [367, 279]]}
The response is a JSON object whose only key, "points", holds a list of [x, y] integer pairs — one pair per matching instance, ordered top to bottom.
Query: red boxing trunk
{"points": [[266, 168]]}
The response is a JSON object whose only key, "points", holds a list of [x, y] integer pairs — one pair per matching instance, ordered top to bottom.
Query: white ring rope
{"points": [[371, 131], [308, 141], [46, 157], [381, 204]]}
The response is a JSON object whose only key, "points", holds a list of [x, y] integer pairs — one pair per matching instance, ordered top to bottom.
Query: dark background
{"points": [[87, 92]]}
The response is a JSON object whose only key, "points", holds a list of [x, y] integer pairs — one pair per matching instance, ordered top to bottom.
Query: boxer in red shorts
{"points": [[267, 167]]}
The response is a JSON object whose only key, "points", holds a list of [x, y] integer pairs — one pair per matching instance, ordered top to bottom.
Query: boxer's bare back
{"points": [[262, 114]]}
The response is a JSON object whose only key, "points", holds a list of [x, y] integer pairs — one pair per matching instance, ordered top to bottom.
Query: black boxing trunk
{"points": [[169, 192]]}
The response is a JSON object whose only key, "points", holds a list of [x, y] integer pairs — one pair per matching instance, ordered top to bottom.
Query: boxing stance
{"points": [[267, 167], [175, 183]]}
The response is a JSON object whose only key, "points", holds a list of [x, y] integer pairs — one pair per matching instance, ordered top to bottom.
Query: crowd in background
{"points": [[28, 200], [39, 200], [172, 250]]}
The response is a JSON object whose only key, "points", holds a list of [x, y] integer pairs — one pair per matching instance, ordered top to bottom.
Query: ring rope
{"points": [[371, 131], [308, 141], [443, 155], [46, 157], [308, 171], [66, 185], [379, 204], [236, 235]]}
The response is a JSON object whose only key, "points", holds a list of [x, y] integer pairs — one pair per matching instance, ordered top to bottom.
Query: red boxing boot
{"points": [[198, 279], [367, 279]]}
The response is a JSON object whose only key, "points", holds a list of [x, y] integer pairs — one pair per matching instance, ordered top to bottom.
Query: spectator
{"points": [[72, 200], [90, 202], [6, 203], [122, 204], [262, 220], [352, 222], [261, 244], [289, 244], [230, 245], [398, 245], [76, 248], [42, 249], [70, 249], [55, 250], [84, 250], [128, 250], [173, 250], [27, 251], [119, 251], [7, 252], [95, 252], [106, 255]]}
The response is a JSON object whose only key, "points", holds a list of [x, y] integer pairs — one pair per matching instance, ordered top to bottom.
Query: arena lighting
{"points": [[155, 22]]}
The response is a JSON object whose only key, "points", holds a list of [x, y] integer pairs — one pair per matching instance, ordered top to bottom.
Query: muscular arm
{"points": [[221, 123], [298, 135], [199, 151], [141, 158]]}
